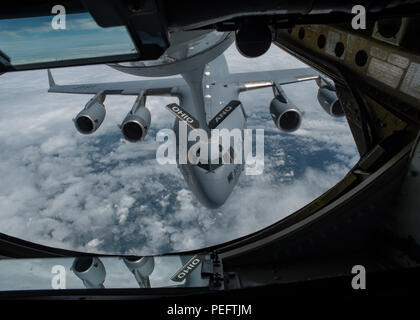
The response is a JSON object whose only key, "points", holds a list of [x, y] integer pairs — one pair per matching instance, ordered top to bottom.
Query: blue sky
{"points": [[82, 38]]}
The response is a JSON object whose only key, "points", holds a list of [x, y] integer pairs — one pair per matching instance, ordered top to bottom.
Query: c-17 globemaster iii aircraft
{"points": [[208, 99]]}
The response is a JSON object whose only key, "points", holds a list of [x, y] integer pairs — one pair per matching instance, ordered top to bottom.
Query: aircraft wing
{"points": [[262, 79], [147, 87]]}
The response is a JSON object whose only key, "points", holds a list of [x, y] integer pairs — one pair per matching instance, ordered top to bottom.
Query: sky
{"points": [[81, 38], [101, 194]]}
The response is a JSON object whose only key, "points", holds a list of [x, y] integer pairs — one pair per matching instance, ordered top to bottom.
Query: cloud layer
{"points": [[99, 193]]}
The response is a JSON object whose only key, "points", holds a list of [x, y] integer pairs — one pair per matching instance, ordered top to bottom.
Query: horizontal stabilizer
{"points": [[183, 115], [222, 115]]}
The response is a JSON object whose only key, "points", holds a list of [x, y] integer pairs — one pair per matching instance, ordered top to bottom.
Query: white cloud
{"points": [[102, 194]]}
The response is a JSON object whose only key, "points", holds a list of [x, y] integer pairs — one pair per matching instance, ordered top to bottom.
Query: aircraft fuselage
{"points": [[212, 183]]}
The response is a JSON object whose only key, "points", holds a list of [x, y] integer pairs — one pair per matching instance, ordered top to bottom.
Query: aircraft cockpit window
{"points": [[47, 39], [232, 154], [229, 156], [226, 158], [210, 166], [230, 177], [89, 186], [93, 272]]}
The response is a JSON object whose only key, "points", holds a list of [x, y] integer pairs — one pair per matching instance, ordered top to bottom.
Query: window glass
{"points": [[34, 40], [99, 193]]}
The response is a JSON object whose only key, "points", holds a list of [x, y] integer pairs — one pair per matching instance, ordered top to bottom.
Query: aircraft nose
{"points": [[212, 188], [215, 193]]}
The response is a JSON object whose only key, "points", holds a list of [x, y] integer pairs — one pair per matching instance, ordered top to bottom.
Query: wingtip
{"points": [[50, 79]]}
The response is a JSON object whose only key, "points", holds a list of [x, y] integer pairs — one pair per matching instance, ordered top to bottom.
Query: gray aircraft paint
{"points": [[204, 90]]}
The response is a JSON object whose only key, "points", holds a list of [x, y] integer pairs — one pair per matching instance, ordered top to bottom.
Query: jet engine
{"points": [[253, 39], [328, 99], [285, 115], [91, 117], [137, 122], [142, 268], [90, 270]]}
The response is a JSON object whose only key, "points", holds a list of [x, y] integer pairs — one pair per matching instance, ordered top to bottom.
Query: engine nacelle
{"points": [[253, 39], [328, 99], [329, 102], [285, 115], [91, 117], [137, 122], [142, 268], [90, 270]]}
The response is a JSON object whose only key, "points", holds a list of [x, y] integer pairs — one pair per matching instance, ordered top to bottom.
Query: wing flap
{"points": [[262, 79]]}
